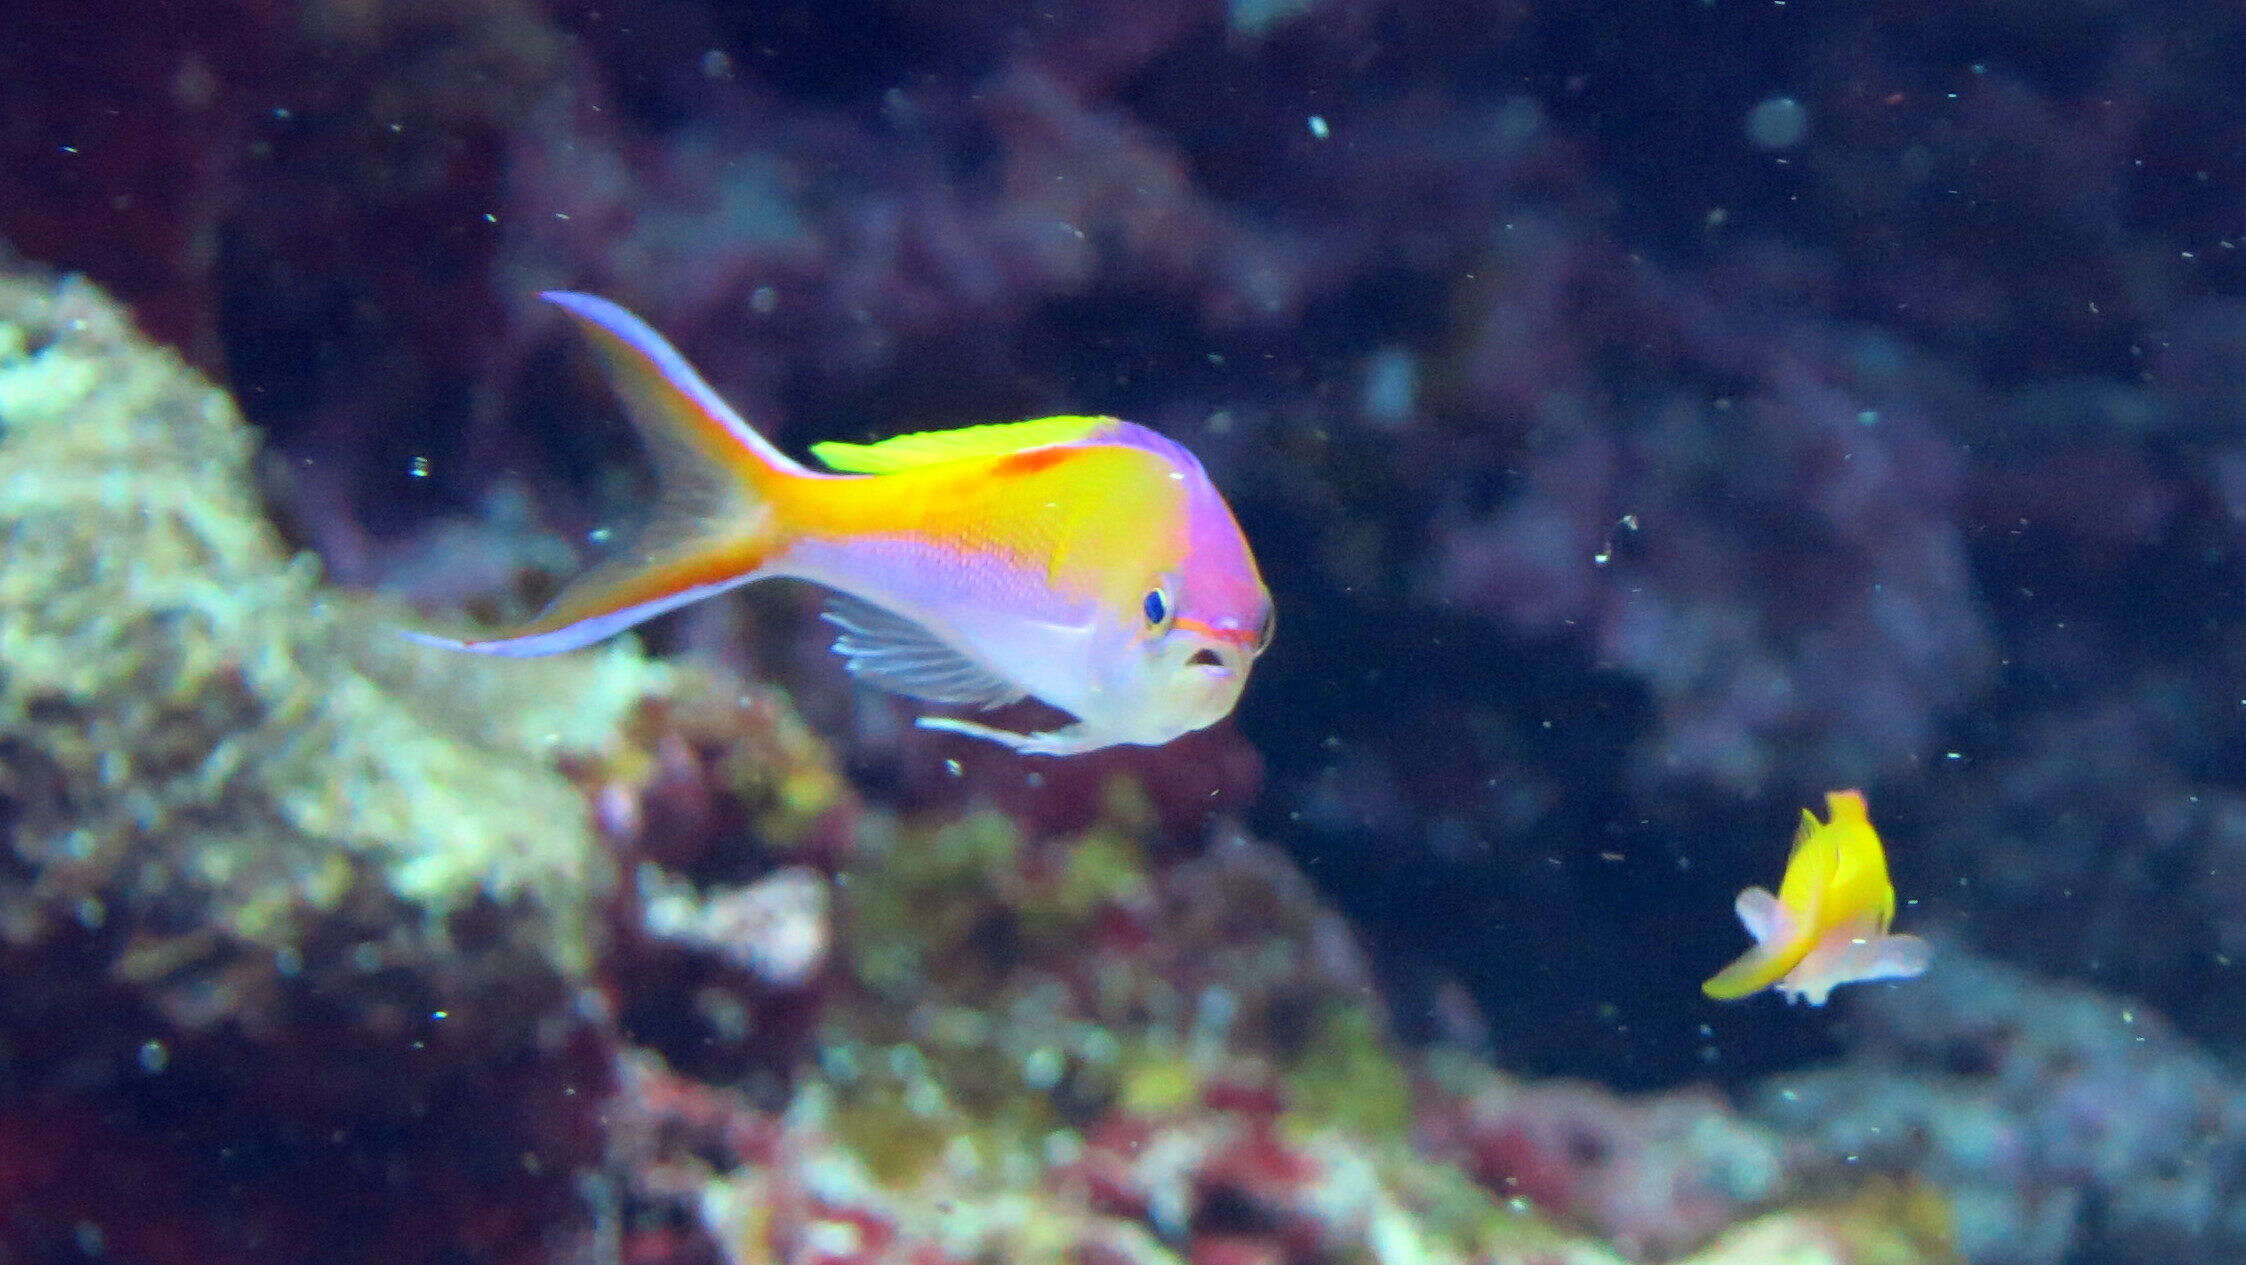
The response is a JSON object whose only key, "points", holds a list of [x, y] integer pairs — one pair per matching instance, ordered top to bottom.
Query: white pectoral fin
{"points": [[881, 647], [1067, 740], [1765, 919], [1778, 950], [1882, 957], [1845, 958]]}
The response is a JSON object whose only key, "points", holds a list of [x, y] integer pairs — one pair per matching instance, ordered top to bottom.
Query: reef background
{"points": [[1649, 418]]}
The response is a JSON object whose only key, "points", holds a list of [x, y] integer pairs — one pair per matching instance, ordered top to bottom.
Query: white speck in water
{"points": [[1518, 119], [1777, 123], [1318, 127], [1390, 391], [419, 468]]}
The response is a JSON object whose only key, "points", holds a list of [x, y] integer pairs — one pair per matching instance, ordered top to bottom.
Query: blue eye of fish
{"points": [[1157, 607]]}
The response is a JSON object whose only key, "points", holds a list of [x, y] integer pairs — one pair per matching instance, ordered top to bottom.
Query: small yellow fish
{"points": [[1083, 561], [1827, 926]]}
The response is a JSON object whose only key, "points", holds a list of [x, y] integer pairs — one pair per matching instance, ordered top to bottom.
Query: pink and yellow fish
{"points": [[1083, 561], [1827, 926]]}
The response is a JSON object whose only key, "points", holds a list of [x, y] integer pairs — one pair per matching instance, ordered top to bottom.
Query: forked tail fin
{"points": [[713, 526]]}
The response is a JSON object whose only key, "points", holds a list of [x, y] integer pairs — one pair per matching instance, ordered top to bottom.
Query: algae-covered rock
{"points": [[198, 738], [1098, 1047]]}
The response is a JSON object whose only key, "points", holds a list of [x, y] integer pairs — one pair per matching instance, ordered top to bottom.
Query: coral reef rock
{"points": [[186, 715], [276, 885]]}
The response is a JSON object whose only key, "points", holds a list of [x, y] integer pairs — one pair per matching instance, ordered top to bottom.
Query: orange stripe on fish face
{"points": [[1033, 460], [1244, 637]]}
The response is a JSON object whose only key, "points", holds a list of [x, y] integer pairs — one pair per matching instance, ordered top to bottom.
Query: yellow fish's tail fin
{"points": [[714, 525], [1781, 942]]}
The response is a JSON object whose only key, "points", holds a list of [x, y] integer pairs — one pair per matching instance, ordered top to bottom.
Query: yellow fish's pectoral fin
{"points": [[934, 447], [1781, 942]]}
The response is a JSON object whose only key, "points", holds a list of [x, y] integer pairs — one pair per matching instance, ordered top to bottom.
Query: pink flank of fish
{"points": [[1086, 562], [1827, 926]]}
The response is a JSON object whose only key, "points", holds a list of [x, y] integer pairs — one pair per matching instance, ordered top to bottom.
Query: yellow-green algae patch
{"points": [[186, 714], [1348, 1076]]}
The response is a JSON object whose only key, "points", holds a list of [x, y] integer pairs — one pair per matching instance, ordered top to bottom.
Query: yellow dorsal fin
{"points": [[934, 447], [1809, 867]]}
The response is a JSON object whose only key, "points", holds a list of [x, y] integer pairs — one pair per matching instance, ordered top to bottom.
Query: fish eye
{"points": [[1156, 608]]}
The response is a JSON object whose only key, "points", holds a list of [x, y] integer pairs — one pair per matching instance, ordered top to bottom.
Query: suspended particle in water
{"points": [[1777, 123]]}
